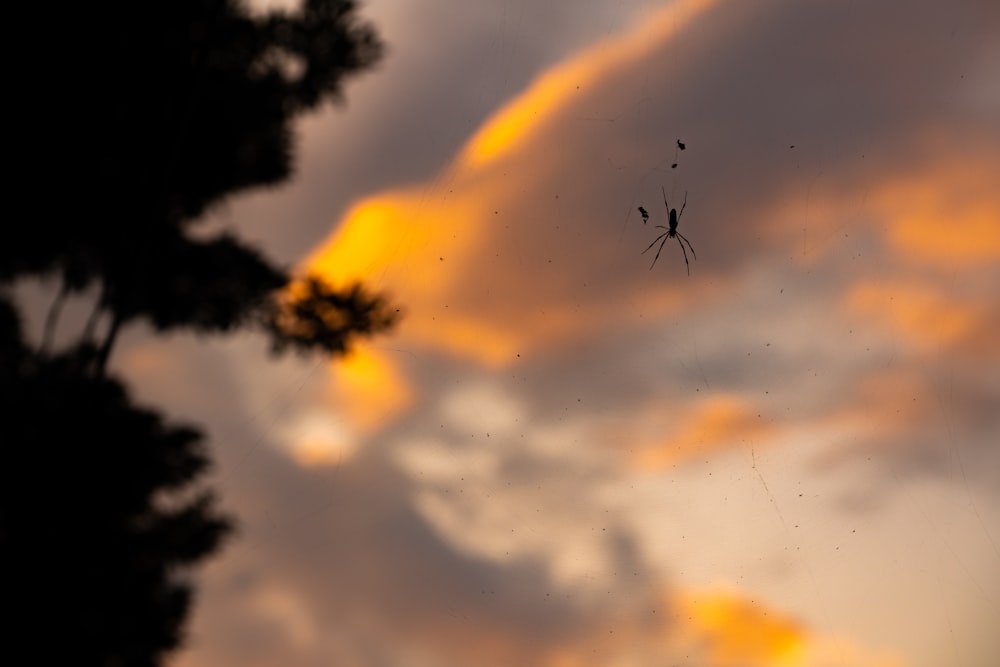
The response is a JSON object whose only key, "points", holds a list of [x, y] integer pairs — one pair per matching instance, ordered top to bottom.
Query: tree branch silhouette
{"points": [[188, 103]]}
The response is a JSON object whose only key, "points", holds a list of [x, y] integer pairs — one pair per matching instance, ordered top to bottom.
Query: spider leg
{"points": [[665, 199], [680, 212], [662, 236], [655, 240], [689, 244], [658, 251], [686, 263]]}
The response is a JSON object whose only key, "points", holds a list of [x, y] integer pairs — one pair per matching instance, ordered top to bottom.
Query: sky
{"points": [[783, 453]]}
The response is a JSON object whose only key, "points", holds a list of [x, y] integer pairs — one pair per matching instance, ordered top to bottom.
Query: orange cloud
{"points": [[517, 122], [940, 210], [946, 216], [397, 238], [419, 249], [420, 252], [483, 272], [927, 317], [370, 389], [714, 423], [713, 628], [733, 630], [741, 632]]}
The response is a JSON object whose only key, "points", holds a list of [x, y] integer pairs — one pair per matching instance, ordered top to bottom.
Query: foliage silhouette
{"points": [[189, 102], [208, 116], [311, 315], [98, 514]]}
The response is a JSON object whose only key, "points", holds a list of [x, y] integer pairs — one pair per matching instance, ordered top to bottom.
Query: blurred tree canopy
{"points": [[186, 103]]}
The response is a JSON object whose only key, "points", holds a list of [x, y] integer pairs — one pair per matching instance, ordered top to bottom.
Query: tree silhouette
{"points": [[192, 102], [188, 103], [94, 530]]}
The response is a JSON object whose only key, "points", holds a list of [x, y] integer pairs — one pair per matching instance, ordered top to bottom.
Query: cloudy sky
{"points": [[566, 455]]}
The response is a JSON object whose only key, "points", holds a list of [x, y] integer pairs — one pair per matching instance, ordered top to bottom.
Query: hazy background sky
{"points": [[562, 457]]}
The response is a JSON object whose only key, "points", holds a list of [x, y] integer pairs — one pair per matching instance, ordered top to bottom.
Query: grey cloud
{"points": [[444, 73], [740, 85], [349, 544]]}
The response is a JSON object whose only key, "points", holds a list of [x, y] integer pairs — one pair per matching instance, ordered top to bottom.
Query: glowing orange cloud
{"points": [[515, 124], [940, 211], [947, 215], [398, 239], [432, 247], [422, 250], [926, 316], [370, 389], [716, 422], [714, 628], [736, 631], [741, 632]]}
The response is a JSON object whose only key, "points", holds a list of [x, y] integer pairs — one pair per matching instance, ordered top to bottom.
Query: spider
{"points": [[671, 232]]}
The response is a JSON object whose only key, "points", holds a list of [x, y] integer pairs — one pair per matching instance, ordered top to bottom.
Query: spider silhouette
{"points": [[671, 232]]}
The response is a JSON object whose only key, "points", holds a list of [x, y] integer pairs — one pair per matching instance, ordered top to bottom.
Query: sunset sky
{"points": [[564, 457]]}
